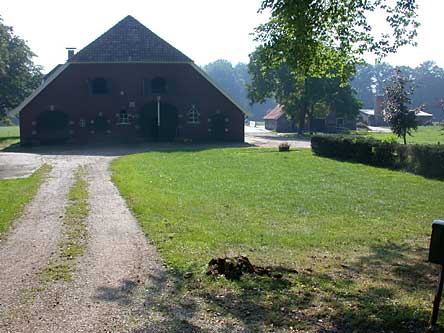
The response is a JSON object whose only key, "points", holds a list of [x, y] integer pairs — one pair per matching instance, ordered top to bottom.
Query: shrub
{"points": [[426, 160]]}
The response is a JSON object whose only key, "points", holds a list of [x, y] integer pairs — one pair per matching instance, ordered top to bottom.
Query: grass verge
{"points": [[9, 135], [424, 135], [16, 193], [74, 233], [350, 240]]}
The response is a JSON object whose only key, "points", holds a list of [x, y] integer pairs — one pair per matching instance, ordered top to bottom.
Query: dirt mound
{"points": [[234, 267]]}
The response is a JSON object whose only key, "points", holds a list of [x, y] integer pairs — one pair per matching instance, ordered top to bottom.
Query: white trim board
{"points": [[207, 77]]}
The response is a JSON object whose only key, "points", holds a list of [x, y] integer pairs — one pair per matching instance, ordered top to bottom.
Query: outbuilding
{"points": [[277, 120]]}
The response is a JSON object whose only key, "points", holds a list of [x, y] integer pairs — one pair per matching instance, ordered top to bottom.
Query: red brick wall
{"points": [[70, 93]]}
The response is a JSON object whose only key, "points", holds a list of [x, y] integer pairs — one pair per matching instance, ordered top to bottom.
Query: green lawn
{"points": [[9, 135], [424, 135], [15, 193], [356, 235]]}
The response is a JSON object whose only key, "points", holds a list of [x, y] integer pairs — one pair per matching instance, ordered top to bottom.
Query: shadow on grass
{"points": [[284, 137], [9, 138], [8, 142], [118, 149], [333, 301], [165, 307]]}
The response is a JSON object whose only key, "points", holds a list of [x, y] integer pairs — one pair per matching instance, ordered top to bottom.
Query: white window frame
{"points": [[193, 115], [124, 120]]}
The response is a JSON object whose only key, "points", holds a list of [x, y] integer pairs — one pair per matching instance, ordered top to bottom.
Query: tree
{"points": [[323, 38], [329, 38], [18, 74], [427, 79], [233, 80], [278, 84], [303, 100], [342, 100], [401, 119]]}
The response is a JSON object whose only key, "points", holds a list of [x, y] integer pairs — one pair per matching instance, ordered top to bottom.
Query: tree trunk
{"points": [[301, 123], [404, 138]]}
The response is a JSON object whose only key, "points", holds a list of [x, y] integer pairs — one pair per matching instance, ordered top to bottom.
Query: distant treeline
{"points": [[233, 80], [427, 80]]}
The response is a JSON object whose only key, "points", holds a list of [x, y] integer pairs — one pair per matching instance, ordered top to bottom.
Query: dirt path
{"points": [[260, 137], [27, 249], [119, 284], [104, 295]]}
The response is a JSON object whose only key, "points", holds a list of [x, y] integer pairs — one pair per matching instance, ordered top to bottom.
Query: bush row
{"points": [[425, 160]]}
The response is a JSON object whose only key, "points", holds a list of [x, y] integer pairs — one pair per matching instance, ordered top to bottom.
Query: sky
{"points": [[205, 30]]}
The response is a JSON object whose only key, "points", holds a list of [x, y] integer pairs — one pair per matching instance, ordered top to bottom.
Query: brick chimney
{"points": [[71, 51]]}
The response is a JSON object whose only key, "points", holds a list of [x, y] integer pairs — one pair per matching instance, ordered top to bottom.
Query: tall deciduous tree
{"points": [[324, 38], [328, 38], [18, 73], [427, 79], [303, 100], [401, 119]]}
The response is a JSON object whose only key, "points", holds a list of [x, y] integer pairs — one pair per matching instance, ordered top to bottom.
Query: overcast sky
{"points": [[205, 30]]}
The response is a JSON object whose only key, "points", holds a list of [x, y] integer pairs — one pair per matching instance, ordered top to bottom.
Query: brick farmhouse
{"points": [[129, 85]]}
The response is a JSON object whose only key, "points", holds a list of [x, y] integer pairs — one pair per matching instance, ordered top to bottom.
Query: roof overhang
{"points": [[207, 77], [37, 91]]}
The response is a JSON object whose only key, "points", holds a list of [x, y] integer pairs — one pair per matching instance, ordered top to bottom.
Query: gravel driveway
{"points": [[260, 137], [116, 266], [120, 283]]}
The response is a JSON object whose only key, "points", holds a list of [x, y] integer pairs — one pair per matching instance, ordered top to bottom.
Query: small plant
{"points": [[390, 139], [284, 146]]}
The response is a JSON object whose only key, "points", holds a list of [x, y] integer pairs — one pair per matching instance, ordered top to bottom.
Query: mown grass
{"points": [[9, 135], [424, 135], [16, 193], [356, 235]]}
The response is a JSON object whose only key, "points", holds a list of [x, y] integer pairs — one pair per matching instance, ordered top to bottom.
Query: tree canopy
{"points": [[321, 38], [18, 73], [427, 79], [233, 80], [303, 100], [401, 119]]}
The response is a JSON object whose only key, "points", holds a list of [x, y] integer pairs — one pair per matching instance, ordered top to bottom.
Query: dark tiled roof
{"points": [[129, 41], [275, 113]]}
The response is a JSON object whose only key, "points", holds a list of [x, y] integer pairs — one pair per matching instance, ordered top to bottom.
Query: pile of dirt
{"points": [[234, 267]]}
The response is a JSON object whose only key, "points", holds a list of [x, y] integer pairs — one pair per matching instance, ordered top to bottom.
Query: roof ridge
{"points": [[129, 41]]}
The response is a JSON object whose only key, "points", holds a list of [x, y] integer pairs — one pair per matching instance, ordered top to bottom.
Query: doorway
{"points": [[53, 127], [151, 128]]}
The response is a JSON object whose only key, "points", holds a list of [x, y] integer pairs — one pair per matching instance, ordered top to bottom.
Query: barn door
{"points": [[53, 127], [217, 127], [152, 128]]}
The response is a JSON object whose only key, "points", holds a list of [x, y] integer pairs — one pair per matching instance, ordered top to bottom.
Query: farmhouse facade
{"points": [[129, 85]]}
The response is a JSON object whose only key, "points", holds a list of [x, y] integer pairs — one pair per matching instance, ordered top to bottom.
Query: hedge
{"points": [[425, 160]]}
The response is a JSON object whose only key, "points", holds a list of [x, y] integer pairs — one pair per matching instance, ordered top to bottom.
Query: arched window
{"points": [[158, 85], [100, 86], [193, 116]]}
